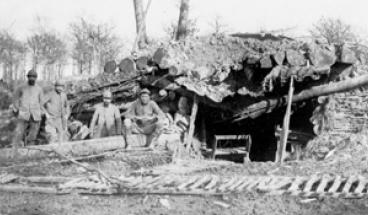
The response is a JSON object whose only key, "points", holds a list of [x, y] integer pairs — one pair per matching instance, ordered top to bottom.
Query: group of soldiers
{"points": [[144, 116]]}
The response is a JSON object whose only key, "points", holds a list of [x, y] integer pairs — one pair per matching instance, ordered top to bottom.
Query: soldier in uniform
{"points": [[27, 106], [57, 113], [144, 116], [107, 118]]}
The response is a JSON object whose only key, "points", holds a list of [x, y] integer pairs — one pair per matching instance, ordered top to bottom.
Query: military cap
{"points": [[32, 73], [59, 83], [145, 91]]}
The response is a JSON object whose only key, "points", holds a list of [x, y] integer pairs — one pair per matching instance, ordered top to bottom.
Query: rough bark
{"points": [[183, 20], [140, 23]]}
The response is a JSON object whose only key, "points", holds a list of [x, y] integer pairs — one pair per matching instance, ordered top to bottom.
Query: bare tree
{"points": [[140, 23], [183, 23], [218, 26], [172, 28], [333, 31], [93, 45], [48, 51], [12, 55]]}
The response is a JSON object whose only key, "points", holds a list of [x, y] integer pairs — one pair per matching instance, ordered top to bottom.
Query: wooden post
{"points": [[193, 116], [204, 131], [214, 147], [281, 150]]}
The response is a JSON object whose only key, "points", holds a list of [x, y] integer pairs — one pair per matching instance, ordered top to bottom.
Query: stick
{"points": [[192, 122], [285, 128], [84, 166], [171, 192]]}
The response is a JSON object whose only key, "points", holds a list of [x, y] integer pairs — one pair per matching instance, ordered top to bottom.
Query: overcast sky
{"points": [[239, 15]]}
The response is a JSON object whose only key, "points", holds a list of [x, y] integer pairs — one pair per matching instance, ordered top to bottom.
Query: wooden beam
{"points": [[266, 106], [192, 122], [75, 148], [281, 149]]}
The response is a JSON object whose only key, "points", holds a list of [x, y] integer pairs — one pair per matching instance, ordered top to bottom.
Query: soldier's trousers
{"points": [[54, 129], [20, 130]]}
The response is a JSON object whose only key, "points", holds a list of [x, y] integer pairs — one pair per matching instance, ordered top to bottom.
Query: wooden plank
{"points": [[310, 182], [212, 183], [295, 184], [348, 184], [322, 185], [335, 185], [361, 185]]}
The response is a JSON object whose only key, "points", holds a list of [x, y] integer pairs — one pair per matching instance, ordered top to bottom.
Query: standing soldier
{"points": [[27, 106], [57, 113], [107, 117]]}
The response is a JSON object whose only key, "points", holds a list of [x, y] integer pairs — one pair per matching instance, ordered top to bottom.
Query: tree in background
{"points": [[140, 23], [183, 23], [218, 26], [171, 29], [333, 31], [93, 45], [48, 53], [12, 55]]}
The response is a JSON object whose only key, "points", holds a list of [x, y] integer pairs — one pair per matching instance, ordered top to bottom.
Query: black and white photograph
{"points": [[183, 107]]}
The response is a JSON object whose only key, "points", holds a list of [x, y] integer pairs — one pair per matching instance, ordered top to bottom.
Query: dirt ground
{"points": [[246, 203]]}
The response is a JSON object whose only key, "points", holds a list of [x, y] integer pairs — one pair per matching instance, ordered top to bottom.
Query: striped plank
{"points": [[201, 181], [188, 182], [212, 183], [244, 183], [310, 183], [227, 184], [295, 184], [336, 184], [348, 184], [322, 185]]}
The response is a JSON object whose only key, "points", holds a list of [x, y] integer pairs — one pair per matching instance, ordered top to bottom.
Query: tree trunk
{"points": [[140, 23], [182, 30], [266, 106]]}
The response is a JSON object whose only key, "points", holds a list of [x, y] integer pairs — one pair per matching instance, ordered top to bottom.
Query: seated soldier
{"points": [[144, 116], [107, 117]]}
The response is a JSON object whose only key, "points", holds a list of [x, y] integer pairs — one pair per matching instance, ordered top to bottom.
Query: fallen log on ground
{"points": [[268, 105], [74, 149], [16, 188]]}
